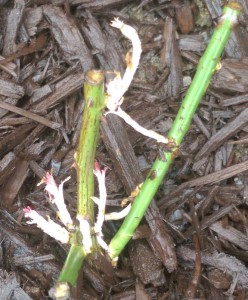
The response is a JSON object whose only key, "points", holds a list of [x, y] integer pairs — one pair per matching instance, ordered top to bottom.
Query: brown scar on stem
{"points": [[234, 6], [90, 103], [172, 143], [171, 147], [175, 153], [152, 175], [133, 194]]}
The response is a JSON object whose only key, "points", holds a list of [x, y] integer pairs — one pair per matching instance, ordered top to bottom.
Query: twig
{"points": [[191, 290]]}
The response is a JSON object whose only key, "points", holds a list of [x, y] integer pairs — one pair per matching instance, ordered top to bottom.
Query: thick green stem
{"points": [[205, 70], [85, 156], [72, 265], [69, 274]]}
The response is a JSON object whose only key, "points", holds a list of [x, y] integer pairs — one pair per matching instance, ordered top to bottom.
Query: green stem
{"points": [[199, 85], [85, 155], [72, 265], [69, 274]]}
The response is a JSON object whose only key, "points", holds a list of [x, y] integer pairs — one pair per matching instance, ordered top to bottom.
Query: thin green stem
{"points": [[205, 70], [204, 73]]}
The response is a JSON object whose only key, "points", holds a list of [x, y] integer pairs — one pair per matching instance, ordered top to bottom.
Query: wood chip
{"points": [[184, 17], [12, 26], [68, 36], [171, 57], [232, 77], [11, 89], [62, 89], [235, 100], [28, 114], [223, 134], [15, 138], [117, 143], [219, 175], [14, 183], [231, 234], [160, 239], [222, 261], [10, 287]]}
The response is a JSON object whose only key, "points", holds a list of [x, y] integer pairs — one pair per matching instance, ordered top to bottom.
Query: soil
{"points": [[192, 243]]}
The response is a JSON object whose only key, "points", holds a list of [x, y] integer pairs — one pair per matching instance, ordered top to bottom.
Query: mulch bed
{"points": [[192, 243]]}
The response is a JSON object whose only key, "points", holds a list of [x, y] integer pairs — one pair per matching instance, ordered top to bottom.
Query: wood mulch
{"points": [[192, 243]]}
